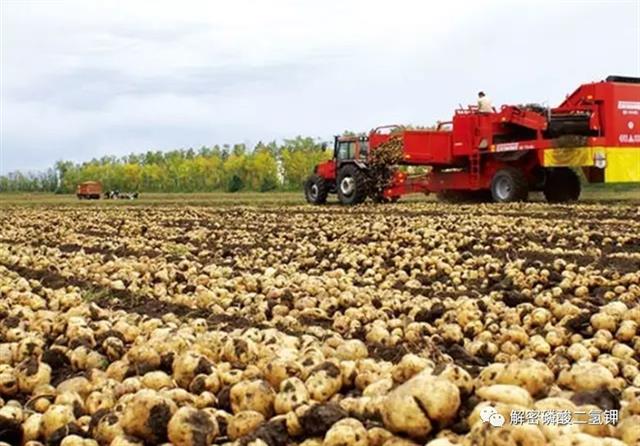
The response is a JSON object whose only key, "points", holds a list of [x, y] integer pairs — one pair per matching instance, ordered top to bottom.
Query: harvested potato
{"points": [[533, 375], [585, 376], [324, 381], [292, 394], [256, 395], [411, 407], [147, 416], [56, 417], [243, 423], [192, 427], [347, 431]]}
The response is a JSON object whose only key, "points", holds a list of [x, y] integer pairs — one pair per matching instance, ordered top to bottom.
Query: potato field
{"points": [[375, 325]]}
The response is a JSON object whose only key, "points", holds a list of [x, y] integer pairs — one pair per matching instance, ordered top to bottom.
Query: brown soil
{"points": [[318, 419]]}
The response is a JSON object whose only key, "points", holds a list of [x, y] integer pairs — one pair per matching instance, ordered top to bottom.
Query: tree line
{"points": [[266, 167]]}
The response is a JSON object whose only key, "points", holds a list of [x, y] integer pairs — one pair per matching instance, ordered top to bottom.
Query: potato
{"points": [[114, 348], [352, 350], [241, 351], [143, 358], [187, 365], [409, 366], [278, 369], [32, 373], [490, 374], [530, 374], [458, 376], [584, 376], [157, 380], [324, 381], [8, 383], [209, 383], [79, 385], [378, 388], [505, 393], [292, 394], [256, 395], [99, 400], [412, 406], [402, 413], [147, 415], [56, 416], [243, 423], [32, 427], [105, 427], [192, 427], [629, 430], [346, 432], [508, 435], [377, 436], [582, 439], [76, 440], [123, 440], [440, 442]]}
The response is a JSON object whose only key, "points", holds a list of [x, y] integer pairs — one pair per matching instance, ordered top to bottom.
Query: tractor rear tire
{"points": [[352, 185], [508, 185], [562, 185], [316, 189]]}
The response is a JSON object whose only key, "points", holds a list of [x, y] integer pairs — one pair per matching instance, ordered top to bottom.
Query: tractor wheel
{"points": [[509, 184], [351, 185], [562, 185], [316, 189]]}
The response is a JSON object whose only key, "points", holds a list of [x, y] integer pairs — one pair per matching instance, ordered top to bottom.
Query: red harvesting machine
{"points": [[499, 156]]}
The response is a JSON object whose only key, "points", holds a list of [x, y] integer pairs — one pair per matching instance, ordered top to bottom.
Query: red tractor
{"points": [[499, 156]]}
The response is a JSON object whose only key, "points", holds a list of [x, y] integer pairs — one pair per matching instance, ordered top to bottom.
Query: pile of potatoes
{"points": [[384, 328]]}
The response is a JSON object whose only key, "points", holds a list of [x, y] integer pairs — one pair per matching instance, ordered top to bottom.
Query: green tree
{"points": [[298, 157]]}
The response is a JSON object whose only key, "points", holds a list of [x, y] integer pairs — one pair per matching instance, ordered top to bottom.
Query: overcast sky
{"points": [[83, 79]]}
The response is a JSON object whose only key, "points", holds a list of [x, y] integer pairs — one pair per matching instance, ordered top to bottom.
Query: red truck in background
{"points": [[500, 156], [89, 190]]}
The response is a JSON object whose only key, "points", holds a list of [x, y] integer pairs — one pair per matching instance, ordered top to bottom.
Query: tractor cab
{"points": [[350, 148], [347, 149]]}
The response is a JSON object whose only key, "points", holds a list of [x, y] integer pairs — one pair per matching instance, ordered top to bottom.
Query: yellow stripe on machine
{"points": [[574, 156], [622, 164]]}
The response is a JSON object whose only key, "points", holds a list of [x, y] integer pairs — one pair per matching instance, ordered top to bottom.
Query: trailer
{"points": [[501, 156], [89, 190]]}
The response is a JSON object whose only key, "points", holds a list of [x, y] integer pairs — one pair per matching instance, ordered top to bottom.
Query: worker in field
{"points": [[484, 103]]}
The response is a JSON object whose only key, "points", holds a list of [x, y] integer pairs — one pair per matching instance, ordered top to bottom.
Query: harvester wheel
{"points": [[509, 184], [352, 185], [562, 185], [316, 189]]}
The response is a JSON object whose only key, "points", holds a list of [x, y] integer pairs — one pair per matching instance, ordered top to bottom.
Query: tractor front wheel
{"points": [[509, 184], [351, 185], [562, 185], [316, 190]]}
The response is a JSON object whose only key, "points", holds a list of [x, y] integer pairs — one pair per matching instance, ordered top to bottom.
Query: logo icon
{"points": [[490, 415]]}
